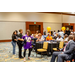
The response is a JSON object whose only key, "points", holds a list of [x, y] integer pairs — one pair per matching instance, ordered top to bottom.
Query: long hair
{"points": [[14, 32], [29, 32]]}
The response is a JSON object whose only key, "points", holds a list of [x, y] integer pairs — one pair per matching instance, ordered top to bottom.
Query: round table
{"points": [[51, 45]]}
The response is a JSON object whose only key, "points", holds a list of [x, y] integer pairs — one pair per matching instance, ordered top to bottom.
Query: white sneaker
{"points": [[24, 60]]}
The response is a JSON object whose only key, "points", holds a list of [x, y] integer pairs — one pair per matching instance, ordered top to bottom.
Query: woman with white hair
{"points": [[40, 37], [59, 38]]}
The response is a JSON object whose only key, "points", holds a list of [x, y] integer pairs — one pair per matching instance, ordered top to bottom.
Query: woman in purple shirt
{"points": [[28, 45]]}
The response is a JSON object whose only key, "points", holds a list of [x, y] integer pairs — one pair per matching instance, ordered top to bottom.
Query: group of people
{"points": [[58, 36], [22, 41], [25, 41], [66, 53]]}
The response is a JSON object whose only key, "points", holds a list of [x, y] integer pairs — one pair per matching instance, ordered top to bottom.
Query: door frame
{"points": [[37, 23], [67, 24]]}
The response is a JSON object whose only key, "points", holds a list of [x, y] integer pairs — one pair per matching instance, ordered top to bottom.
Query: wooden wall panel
{"points": [[37, 23], [5, 40]]}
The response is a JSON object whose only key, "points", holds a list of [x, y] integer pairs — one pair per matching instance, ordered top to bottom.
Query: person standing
{"points": [[67, 31], [16, 33], [61, 33], [14, 40], [20, 44], [28, 44]]}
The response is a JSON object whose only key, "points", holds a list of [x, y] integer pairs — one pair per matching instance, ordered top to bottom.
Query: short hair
{"points": [[20, 30], [58, 30], [29, 32], [40, 34], [66, 35], [70, 37]]}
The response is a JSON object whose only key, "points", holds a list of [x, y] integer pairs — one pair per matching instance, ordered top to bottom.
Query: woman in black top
{"points": [[14, 40], [20, 44]]}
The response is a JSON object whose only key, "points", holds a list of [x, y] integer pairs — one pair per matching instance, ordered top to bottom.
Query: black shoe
{"points": [[21, 57]]}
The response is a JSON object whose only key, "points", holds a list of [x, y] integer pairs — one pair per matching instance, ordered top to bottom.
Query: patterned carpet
{"points": [[7, 56]]}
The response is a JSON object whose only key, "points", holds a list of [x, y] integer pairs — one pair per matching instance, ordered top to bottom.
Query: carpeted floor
{"points": [[7, 56]]}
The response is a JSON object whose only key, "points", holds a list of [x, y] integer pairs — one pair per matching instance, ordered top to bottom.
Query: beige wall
{"points": [[30, 16], [38, 17], [68, 19], [10, 21], [54, 26], [7, 28]]}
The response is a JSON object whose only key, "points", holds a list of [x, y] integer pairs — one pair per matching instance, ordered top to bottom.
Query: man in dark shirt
{"points": [[67, 32], [20, 43]]}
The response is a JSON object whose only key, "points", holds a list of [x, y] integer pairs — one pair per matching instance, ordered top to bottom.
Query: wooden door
{"points": [[69, 25], [34, 27], [37, 27]]}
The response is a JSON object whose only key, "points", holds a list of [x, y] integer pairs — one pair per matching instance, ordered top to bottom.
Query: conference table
{"points": [[51, 45]]}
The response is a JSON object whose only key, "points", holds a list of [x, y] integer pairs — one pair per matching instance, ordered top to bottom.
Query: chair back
{"points": [[61, 44], [45, 45]]}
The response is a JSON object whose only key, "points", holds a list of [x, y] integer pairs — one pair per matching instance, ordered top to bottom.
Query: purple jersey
{"points": [[28, 42]]}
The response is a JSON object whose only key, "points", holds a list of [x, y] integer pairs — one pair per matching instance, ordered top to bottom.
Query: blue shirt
{"points": [[44, 36]]}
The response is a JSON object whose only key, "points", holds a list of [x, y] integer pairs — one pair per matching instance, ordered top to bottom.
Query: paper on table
{"points": [[54, 42]]}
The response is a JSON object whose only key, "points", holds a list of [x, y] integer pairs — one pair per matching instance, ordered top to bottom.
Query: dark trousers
{"points": [[20, 49], [28, 53], [54, 55], [60, 56]]}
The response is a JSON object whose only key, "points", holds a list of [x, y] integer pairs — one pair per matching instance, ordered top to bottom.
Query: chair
{"points": [[34, 43], [60, 46], [44, 49]]}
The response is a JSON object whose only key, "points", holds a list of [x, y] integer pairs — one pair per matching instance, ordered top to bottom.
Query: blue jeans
{"points": [[14, 45]]}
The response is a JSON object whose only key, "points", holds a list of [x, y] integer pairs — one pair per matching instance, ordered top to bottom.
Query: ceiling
{"points": [[66, 12]]}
